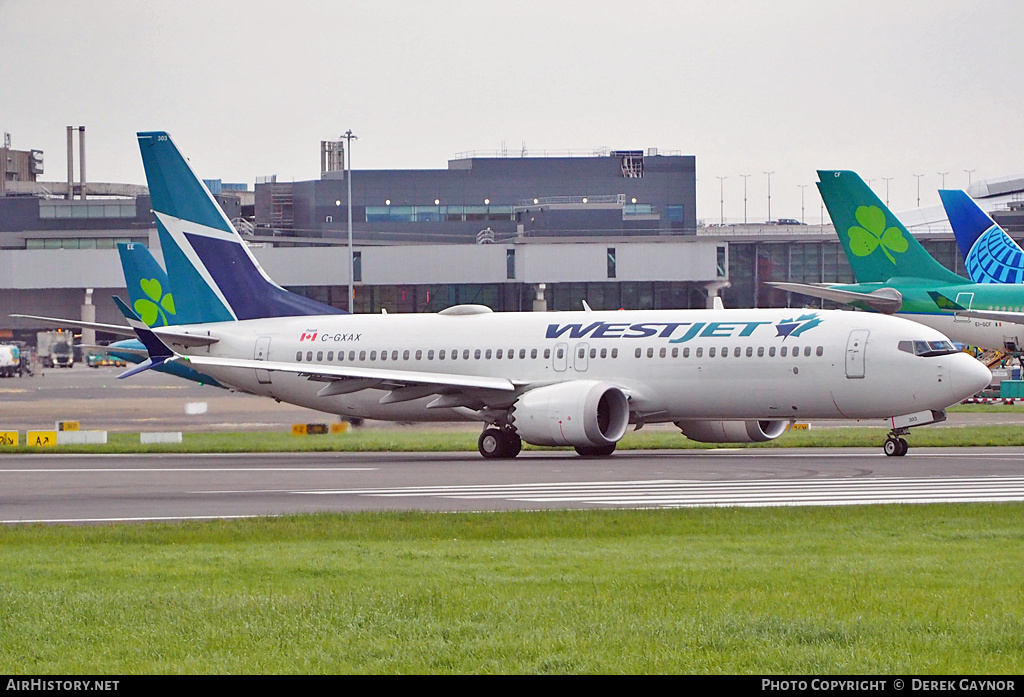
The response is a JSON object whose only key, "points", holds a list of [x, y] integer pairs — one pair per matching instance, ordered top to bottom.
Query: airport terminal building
{"points": [[614, 228]]}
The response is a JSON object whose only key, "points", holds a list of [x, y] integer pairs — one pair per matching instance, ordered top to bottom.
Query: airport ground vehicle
{"points": [[55, 348], [10, 360]]}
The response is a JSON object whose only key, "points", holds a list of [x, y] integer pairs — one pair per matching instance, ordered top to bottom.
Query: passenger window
{"points": [[807, 350], [750, 351], [760, 351], [820, 351], [650, 352], [663, 352], [675, 352], [686, 352], [700, 352], [711, 352], [736, 352], [771, 352], [783, 352], [522, 353], [533, 353], [547, 353], [560, 353], [593, 353], [604, 353], [615, 353], [637, 353], [419, 354], [476, 354], [487, 354], [499, 354], [298, 355], [309, 355], [362, 355], [373, 355], [383, 355], [394, 355], [430, 355], [440, 355], [330, 356]]}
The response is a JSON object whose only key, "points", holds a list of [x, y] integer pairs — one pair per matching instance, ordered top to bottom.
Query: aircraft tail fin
{"points": [[876, 243], [990, 254], [214, 275], [149, 290], [159, 352]]}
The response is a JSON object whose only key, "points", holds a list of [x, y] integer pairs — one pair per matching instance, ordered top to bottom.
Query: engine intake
{"points": [[583, 413], [733, 431]]}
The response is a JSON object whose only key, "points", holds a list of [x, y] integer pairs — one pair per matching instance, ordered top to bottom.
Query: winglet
{"points": [[159, 352]]}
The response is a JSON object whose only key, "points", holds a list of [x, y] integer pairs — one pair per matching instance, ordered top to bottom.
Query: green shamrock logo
{"points": [[874, 234], [153, 308]]}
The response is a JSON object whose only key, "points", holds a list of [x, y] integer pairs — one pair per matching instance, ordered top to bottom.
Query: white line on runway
{"points": [[684, 493]]}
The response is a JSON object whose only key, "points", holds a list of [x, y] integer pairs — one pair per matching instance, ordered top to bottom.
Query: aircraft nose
{"points": [[968, 377]]}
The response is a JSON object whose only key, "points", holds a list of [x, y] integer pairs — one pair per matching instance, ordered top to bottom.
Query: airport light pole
{"points": [[349, 137], [969, 171], [943, 175], [887, 180], [802, 187], [918, 189], [770, 194], [744, 197], [721, 200]]}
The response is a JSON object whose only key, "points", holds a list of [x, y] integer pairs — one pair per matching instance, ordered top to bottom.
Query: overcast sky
{"points": [[248, 88]]}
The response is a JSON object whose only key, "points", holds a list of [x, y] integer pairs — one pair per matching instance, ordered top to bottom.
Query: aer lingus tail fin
{"points": [[876, 243]]}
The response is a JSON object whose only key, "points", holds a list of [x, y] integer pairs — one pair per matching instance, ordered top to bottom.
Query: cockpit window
{"points": [[928, 349]]}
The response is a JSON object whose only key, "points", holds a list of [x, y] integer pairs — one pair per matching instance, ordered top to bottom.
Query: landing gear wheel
{"points": [[492, 443], [496, 443], [895, 447], [595, 450]]}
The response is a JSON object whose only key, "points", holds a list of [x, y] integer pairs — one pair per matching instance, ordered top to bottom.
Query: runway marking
{"points": [[79, 470], [688, 493], [148, 519]]}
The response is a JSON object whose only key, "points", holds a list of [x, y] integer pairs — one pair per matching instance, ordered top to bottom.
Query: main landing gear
{"points": [[496, 443], [895, 446]]}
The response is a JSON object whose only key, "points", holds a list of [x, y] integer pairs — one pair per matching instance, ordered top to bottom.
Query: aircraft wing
{"points": [[884, 300], [1008, 317], [118, 329], [169, 335], [344, 379]]}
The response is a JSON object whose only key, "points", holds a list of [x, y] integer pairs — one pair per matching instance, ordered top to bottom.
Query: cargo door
{"points": [[855, 346]]}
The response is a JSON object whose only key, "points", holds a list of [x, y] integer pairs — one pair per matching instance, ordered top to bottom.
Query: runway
{"points": [[92, 489]]}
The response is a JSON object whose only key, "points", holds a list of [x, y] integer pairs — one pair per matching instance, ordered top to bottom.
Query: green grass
{"points": [[398, 439], [876, 589]]}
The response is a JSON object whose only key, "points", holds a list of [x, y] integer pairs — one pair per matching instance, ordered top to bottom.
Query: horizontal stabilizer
{"points": [[884, 300]]}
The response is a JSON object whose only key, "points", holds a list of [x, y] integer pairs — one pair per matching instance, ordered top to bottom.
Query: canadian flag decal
{"points": [[308, 336]]}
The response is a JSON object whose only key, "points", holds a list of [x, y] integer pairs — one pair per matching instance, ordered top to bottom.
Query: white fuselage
{"points": [[672, 364]]}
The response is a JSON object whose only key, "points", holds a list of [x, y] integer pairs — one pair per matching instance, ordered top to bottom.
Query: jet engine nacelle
{"points": [[585, 413], [732, 431]]}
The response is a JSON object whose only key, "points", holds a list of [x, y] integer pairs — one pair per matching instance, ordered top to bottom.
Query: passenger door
{"points": [[855, 346], [262, 353]]}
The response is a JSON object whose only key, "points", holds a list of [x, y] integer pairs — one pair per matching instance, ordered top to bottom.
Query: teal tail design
{"points": [[876, 243], [214, 275], [149, 290]]}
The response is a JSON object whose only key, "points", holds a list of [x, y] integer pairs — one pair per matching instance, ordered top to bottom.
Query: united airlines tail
{"points": [[877, 244], [990, 254], [214, 275]]}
